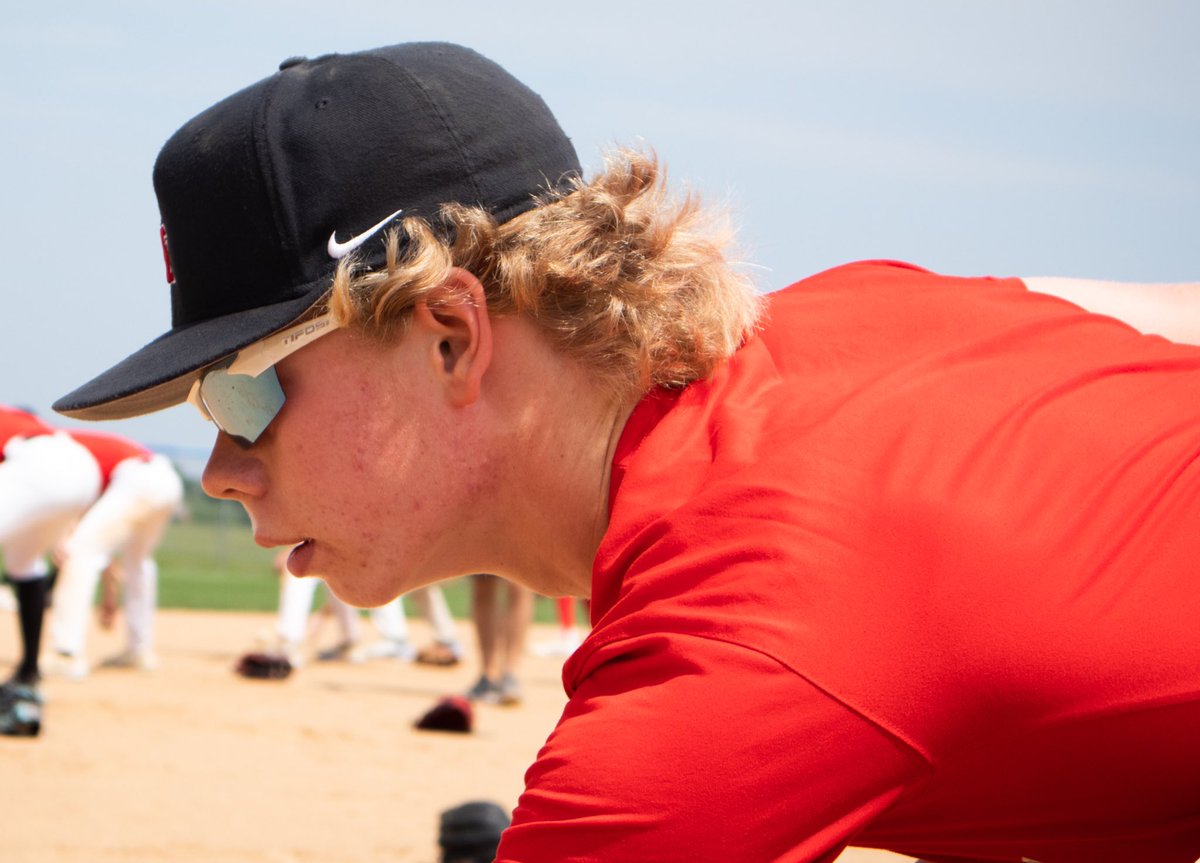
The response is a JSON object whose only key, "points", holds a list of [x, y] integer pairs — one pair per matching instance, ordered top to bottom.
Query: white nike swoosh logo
{"points": [[340, 250]]}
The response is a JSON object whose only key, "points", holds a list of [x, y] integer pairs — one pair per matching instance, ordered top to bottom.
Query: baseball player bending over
{"points": [[47, 480], [141, 491], [884, 557]]}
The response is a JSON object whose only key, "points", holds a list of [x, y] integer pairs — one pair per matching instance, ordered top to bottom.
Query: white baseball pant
{"points": [[46, 483], [128, 520], [296, 602]]}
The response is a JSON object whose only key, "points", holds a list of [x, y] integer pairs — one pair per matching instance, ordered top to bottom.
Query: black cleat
{"points": [[21, 717]]}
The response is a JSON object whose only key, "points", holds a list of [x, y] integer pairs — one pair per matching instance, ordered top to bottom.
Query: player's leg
{"points": [[46, 482], [160, 494], [87, 552], [30, 587], [141, 590], [141, 605], [295, 605], [484, 614], [517, 616], [349, 625], [391, 625], [569, 635], [446, 648]]}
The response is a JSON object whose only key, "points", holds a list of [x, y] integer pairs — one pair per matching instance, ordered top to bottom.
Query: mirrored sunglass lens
{"points": [[240, 405]]}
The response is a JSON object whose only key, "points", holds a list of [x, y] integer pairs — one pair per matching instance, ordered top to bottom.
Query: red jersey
{"points": [[18, 423], [109, 450], [916, 570]]}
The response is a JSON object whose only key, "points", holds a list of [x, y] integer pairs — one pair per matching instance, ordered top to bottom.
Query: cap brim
{"points": [[161, 374]]}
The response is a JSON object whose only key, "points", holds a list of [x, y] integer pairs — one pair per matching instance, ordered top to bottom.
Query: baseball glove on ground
{"points": [[259, 665], [452, 713]]}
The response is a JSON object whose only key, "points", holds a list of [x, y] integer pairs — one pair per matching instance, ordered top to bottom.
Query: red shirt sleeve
{"points": [[670, 749]]}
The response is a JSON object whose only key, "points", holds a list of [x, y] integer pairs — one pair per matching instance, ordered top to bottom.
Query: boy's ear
{"points": [[454, 319]]}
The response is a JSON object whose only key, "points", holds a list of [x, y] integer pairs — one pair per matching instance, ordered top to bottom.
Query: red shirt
{"points": [[18, 423], [109, 450], [917, 570]]}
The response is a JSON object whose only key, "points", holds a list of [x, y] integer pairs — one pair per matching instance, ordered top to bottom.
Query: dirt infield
{"points": [[191, 764]]}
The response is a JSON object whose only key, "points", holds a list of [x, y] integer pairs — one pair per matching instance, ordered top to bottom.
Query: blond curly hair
{"points": [[619, 275]]}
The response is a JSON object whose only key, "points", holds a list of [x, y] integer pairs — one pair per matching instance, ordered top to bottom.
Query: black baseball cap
{"points": [[263, 193], [470, 833]]}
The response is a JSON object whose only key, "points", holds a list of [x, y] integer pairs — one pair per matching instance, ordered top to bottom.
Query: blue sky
{"points": [[1015, 138]]}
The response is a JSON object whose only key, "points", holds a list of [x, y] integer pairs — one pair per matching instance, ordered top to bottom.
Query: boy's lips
{"points": [[267, 541], [300, 559]]}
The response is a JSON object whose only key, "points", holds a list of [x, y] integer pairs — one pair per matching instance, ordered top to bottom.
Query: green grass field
{"points": [[212, 562], [215, 565]]}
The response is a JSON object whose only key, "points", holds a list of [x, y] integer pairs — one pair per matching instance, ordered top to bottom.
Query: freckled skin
{"points": [[430, 456], [348, 468]]}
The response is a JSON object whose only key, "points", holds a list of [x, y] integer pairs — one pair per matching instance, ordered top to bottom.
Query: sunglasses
{"points": [[242, 395]]}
